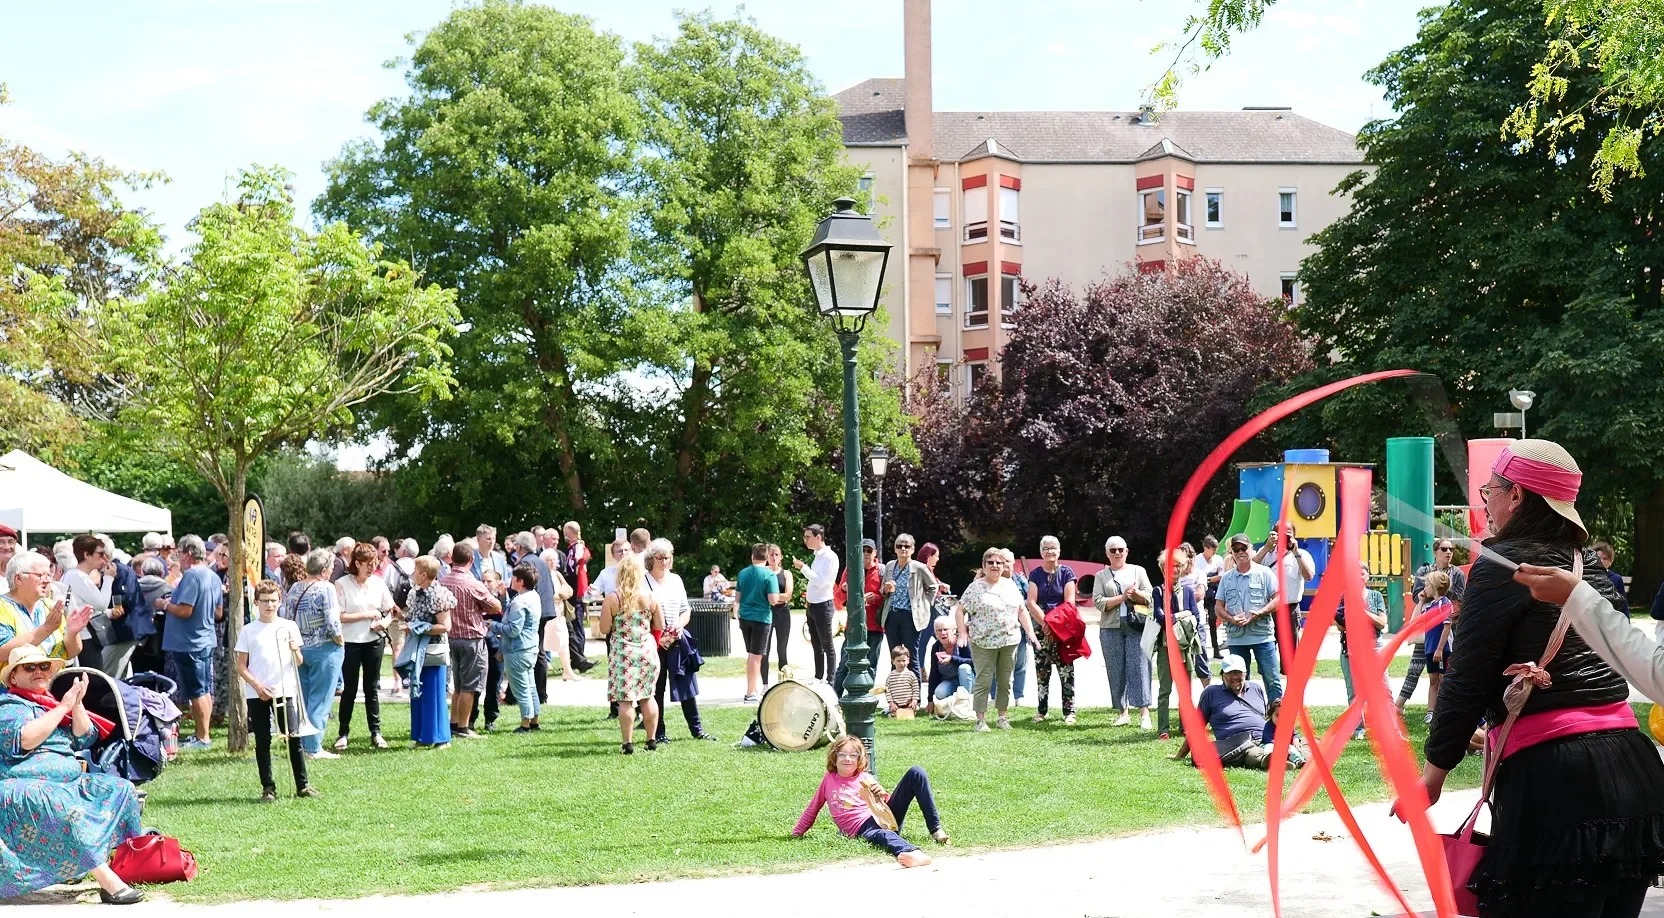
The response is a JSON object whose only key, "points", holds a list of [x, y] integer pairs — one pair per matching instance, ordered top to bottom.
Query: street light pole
{"points": [[846, 261], [1522, 399], [880, 462]]}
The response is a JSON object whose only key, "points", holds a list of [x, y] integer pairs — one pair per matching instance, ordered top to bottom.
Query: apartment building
{"points": [[975, 200]]}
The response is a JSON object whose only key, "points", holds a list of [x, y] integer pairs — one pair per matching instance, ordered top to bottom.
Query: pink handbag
{"points": [[1461, 852]]}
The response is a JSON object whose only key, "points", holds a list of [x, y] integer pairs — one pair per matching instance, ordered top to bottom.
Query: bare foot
{"points": [[940, 836], [914, 858]]}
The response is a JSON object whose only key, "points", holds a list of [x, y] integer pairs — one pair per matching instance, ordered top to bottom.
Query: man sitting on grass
{"points": [[1239, 717]]}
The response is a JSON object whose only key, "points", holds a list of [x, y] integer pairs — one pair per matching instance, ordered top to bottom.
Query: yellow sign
{"points": [[254, 541]]}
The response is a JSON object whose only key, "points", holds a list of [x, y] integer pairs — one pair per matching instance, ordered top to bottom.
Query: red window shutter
{"points": [[975, 181], [1151, 181], [1012, 182], [1185, 182], [1010, 267], [975, 268], [976, 353]]}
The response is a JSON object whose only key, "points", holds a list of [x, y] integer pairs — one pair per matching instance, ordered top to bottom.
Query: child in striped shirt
{"points": [[902, 687]]}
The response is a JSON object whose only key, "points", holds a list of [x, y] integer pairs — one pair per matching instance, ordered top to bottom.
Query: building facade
{"points": [[973, 201]]}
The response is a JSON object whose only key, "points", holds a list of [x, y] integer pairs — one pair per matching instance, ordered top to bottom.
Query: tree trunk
{"points": [[551, 359], [695, 403], [1649, 549], [236, 714]]}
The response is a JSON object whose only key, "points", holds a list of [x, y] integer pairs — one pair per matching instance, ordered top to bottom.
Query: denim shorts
{"points": [[196, 671]]}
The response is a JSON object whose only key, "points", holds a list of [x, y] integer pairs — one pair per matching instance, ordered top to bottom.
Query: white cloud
{"points": [[1057, 49]]}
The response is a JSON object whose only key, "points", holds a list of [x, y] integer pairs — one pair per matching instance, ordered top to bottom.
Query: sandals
{"points": [[1039, 718], [378, 742], [341, 744]]}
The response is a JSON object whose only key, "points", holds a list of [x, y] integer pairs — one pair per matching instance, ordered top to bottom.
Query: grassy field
{"points": [[564, 807]]}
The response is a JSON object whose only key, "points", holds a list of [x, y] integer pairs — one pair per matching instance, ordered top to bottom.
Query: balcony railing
{"points": [[1010, 231], [976, 232], [1152, 232], [1186, 233], [977, 319]]}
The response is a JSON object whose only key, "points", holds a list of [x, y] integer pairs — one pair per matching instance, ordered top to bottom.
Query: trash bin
{"points": [[709, 626]]}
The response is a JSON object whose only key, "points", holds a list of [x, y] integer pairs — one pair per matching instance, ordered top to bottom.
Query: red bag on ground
{"points": [[153, 858]]}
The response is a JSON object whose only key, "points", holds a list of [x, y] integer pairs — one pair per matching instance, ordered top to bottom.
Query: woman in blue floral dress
{"points": [[635, 621], [57, 824]]}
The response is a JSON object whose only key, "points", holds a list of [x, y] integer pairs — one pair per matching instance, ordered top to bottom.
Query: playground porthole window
{"points": [[1309, 501]]}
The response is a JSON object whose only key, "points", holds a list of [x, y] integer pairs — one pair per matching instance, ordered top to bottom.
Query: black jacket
{"points": [[1501, 625]]}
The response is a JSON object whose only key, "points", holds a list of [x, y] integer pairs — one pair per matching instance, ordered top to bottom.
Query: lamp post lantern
{"points": [[846, 261], [1522, 399], [880, 462]]}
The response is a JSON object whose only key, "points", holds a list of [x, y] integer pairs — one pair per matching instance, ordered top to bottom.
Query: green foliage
{"points": [[1207, 38], [1620, 40], [502, 175], [624, 239], [67, 244], [1492, 269], [122, 460], [300, 492]]}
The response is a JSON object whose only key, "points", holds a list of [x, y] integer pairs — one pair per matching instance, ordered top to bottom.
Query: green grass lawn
{"points": [[1330, 669], [563, 807]]}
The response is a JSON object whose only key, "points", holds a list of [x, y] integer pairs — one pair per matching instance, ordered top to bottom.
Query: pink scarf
{"points": [[1537, 476]]}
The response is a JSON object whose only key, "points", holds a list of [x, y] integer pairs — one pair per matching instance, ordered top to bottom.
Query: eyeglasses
{"points": [[1485, 491], [904, 546], [1445, 548], [1117, 551], [35, 667], [849, 756]]}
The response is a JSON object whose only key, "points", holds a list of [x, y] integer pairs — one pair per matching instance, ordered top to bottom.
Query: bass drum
{"points": [[799, 716]]}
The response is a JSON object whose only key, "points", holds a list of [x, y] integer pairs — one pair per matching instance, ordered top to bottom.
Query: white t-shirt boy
{"points": [[266, 645]]}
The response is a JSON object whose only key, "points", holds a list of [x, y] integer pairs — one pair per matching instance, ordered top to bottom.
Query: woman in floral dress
{"points": [[990, 616], [635, 621]]}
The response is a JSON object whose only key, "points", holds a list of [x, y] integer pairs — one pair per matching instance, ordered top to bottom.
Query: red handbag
{"points": [[1461, 852], [153, 858]]}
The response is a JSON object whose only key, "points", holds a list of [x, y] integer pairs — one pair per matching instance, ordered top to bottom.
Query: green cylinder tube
{"points": [[1410, 494]]}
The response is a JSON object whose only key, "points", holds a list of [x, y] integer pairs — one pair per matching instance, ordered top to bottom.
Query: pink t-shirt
{"points": [[843, 797]]}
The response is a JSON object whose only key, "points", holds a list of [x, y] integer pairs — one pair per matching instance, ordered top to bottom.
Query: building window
{"points": [[863, 193], [1181, 205], [1216, 207], [1285, 207], [943, 208], [1152, 210], [976, 214], [1009, 230], [1290, 288], [944, 294], [1008, 298], [976, 300], [979, 373], [944, 377]]}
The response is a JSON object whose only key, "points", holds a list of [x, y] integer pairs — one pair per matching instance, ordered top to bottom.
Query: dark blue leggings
{"points": [[915, 785]]}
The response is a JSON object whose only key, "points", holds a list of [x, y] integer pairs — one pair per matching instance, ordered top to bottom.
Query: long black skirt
{"points": [[1577, 816]]}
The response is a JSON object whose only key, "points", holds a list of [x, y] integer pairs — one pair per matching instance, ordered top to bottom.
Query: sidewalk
{"points": [[1199, 873]]}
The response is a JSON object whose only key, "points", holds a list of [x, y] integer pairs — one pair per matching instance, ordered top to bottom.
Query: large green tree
{"points": [[743, 157], [503, 175], [67, 244], [1496, 268], [268, 337]]}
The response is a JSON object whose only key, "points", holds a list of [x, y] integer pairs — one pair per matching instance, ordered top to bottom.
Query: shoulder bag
{"points": [[1461, 851], [152, 858]]}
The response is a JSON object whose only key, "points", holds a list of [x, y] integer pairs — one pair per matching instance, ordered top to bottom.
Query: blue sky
{"points": [[197, 89]]}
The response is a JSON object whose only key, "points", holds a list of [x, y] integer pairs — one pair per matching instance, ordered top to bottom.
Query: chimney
{"points": [[917, 103]]}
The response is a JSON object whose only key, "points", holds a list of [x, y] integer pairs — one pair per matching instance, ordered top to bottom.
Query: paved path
{"points": [[1197, 873]]}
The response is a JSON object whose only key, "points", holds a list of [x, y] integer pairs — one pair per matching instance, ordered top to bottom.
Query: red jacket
{"points": [[875, 582], [1065, 623]]}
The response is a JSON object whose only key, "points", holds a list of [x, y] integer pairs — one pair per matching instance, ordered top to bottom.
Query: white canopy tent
{"points": [[35, 496]]}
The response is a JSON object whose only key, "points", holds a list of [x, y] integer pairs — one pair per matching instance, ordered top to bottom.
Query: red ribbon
{"points": [[1393, 752]]}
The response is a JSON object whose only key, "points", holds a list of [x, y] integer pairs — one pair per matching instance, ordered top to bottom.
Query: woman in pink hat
{"points": [[1578, 794]]}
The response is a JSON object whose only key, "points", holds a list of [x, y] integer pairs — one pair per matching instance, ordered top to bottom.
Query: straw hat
{"points": [[1548, 471], [27, 653]]}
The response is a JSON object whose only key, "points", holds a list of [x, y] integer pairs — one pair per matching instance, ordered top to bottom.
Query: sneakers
{"points": [[751, 699], [1069, 719], [1428, 719], [1124, 720], [1144, 721], [1004, 723], [981, 727], [522, 729], [467, 733], [1358, 734], [1163, 737], [378, 741], [194, 743], [309, 791], [269, 795]]}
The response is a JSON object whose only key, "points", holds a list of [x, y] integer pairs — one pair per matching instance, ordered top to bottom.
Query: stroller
{"points": [[137, 748]]}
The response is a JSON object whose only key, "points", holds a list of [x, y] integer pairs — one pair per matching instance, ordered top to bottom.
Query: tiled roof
{"points": [[872, 115]]}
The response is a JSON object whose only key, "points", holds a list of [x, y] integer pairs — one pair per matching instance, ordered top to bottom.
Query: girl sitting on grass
{"points": [[844, 791]]}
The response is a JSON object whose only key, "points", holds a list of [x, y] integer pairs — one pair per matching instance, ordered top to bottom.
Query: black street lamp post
{"points": [[846, 262]]}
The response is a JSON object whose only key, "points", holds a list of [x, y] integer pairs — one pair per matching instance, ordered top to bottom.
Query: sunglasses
{"points": [[1445, 548], [1117, 551], [35, 667]]}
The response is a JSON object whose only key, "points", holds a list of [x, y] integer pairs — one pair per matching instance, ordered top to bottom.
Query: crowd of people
{"points": [[473, 625]]}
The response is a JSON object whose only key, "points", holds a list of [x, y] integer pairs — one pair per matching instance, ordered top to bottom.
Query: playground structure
{"points": [[1306, 480]]}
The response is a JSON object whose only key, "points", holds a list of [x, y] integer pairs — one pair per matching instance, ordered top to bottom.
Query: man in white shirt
{"points": [[1298, 567], [821, 576]]}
